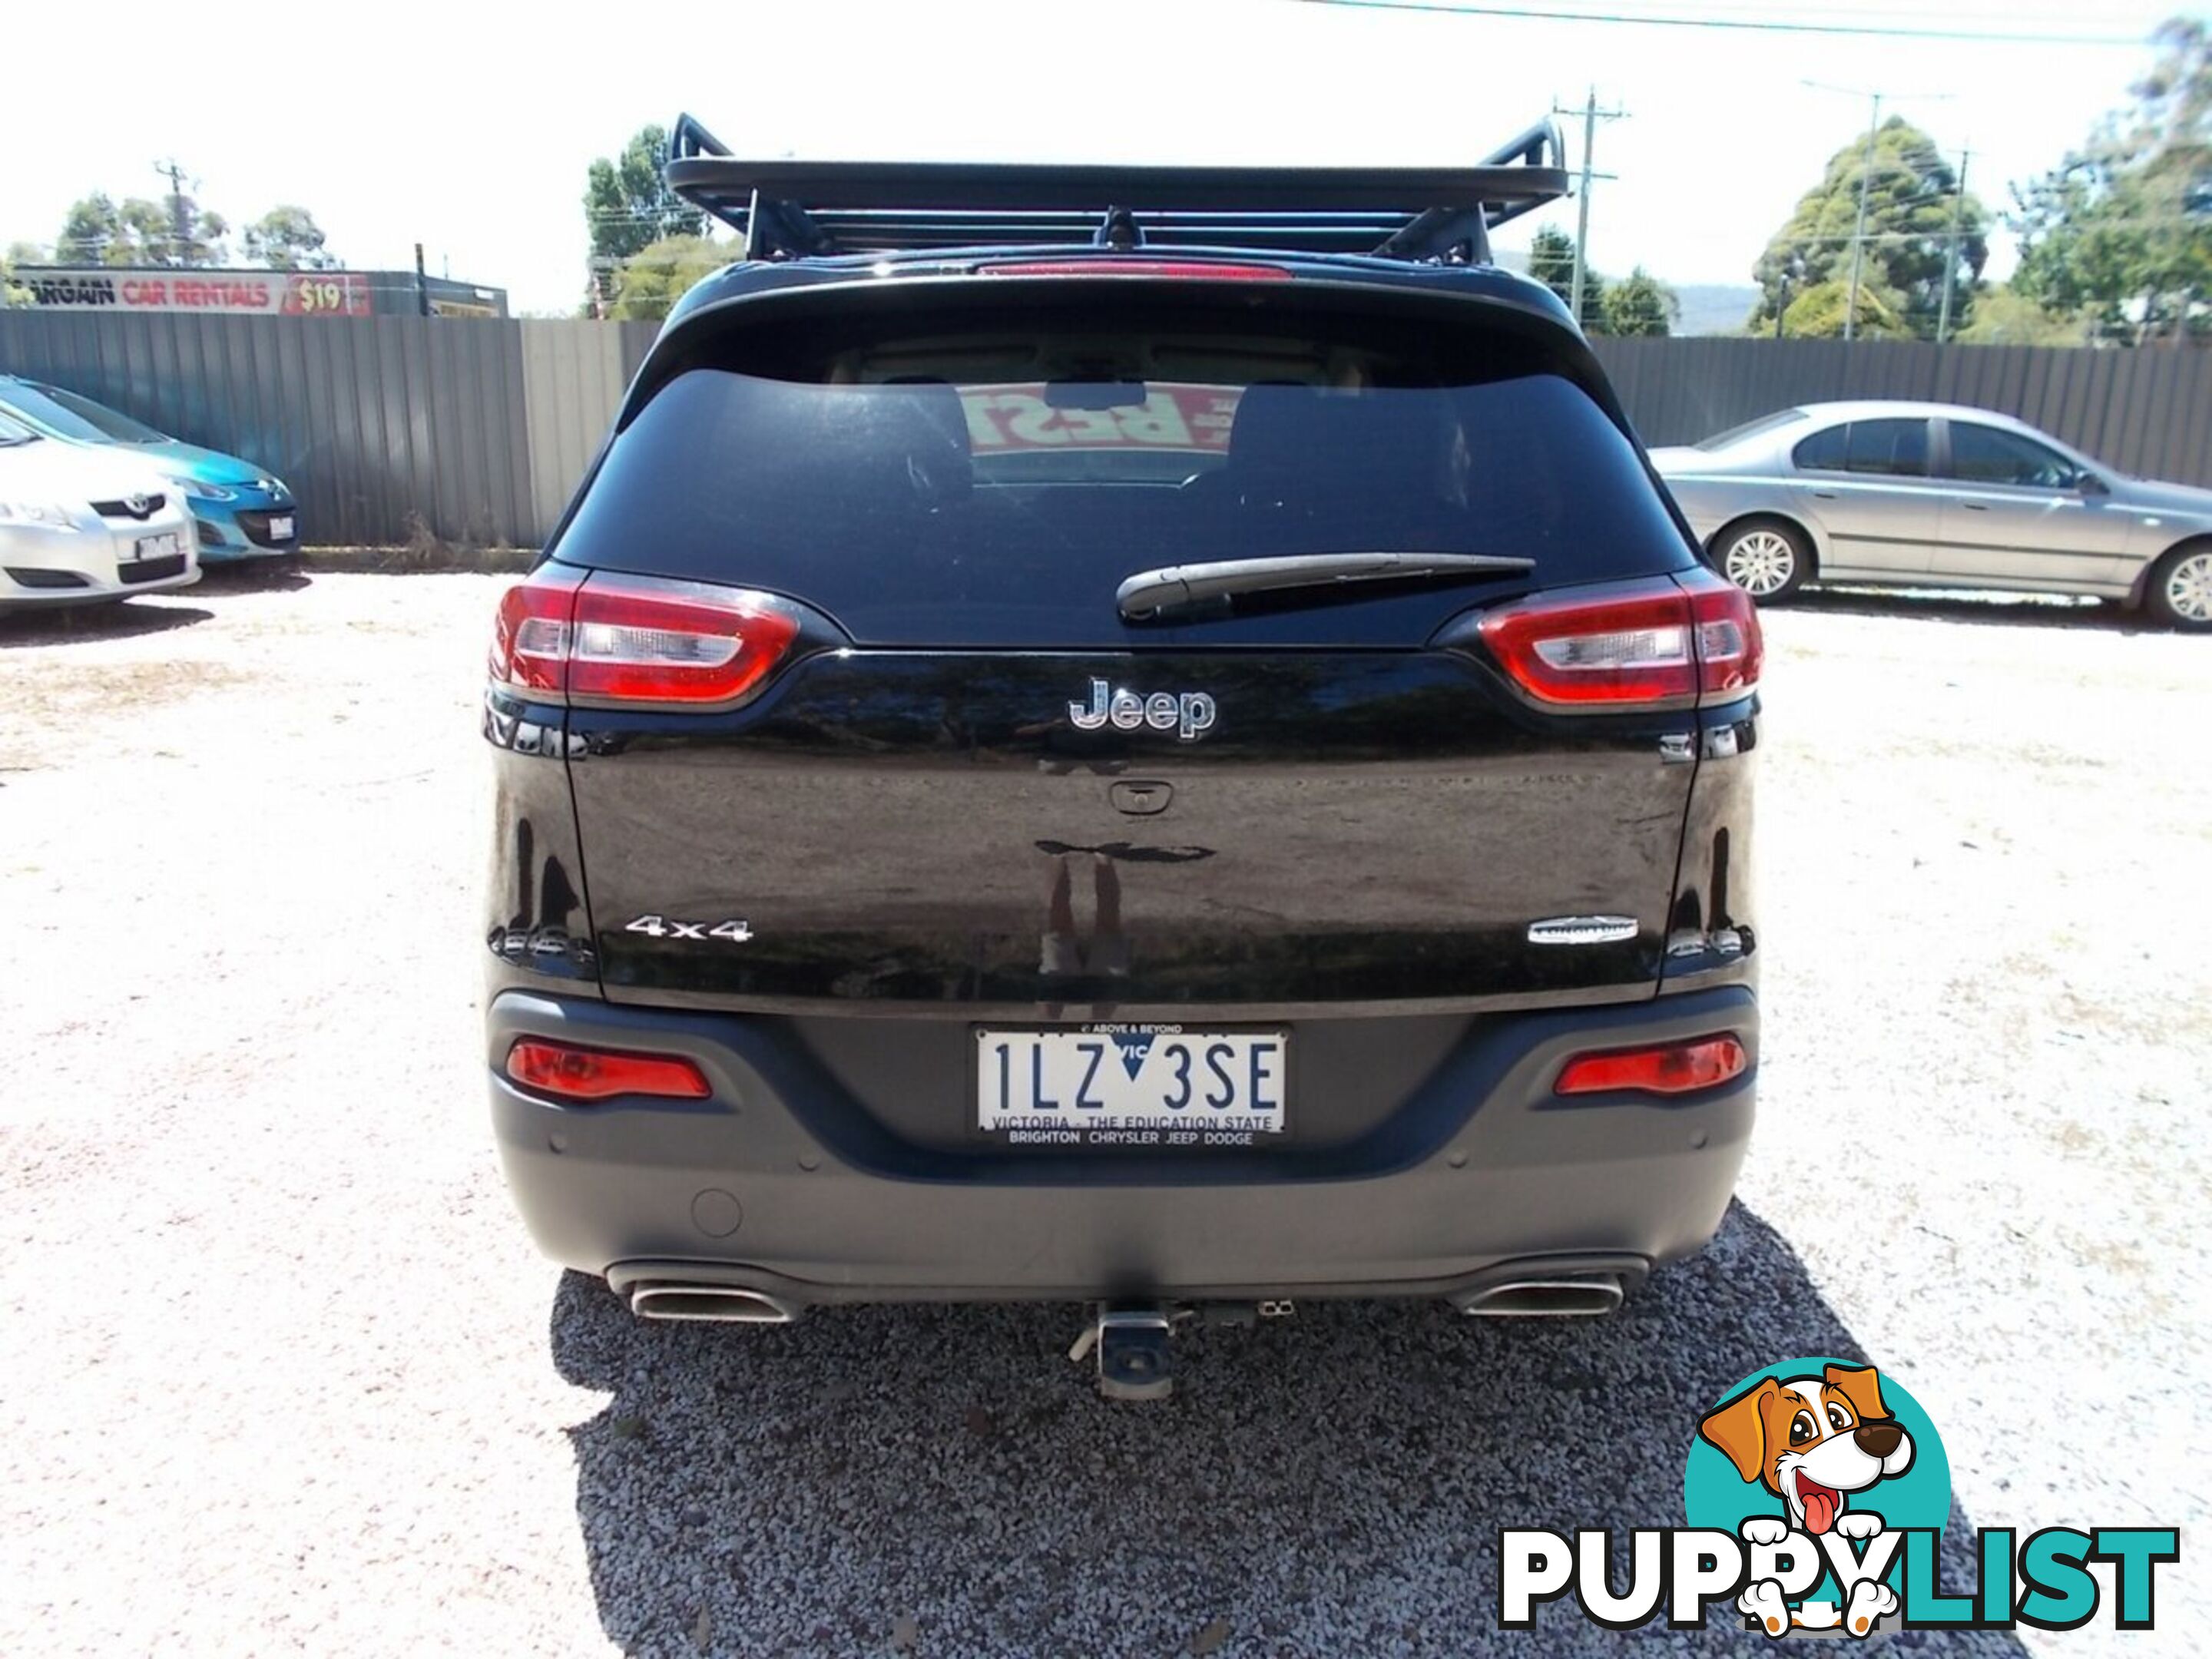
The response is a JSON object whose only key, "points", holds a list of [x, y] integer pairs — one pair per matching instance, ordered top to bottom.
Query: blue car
{"points": [[241, 512]]}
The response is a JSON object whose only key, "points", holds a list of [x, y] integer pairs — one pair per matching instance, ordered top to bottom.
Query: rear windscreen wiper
{"points": [[1145, 595]]}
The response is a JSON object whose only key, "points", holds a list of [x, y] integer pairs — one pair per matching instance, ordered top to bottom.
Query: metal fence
{"points": [[2146, 411], [385, 427], [476, 432]]}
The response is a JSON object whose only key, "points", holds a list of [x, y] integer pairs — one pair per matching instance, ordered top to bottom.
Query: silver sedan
{"points": [[1937, 495]]}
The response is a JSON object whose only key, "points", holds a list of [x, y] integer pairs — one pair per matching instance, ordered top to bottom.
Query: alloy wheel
{"points": [[1760, 561], [2189, 588]]}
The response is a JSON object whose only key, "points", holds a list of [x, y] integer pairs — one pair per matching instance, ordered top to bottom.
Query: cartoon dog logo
{"points": [[1814, 1442]]}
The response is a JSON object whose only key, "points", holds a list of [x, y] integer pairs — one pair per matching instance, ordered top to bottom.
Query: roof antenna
{"points": [[1119, 232]]}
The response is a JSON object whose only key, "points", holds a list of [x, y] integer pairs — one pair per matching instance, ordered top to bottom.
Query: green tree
{"points": [[1911, 192], [628, 207], [91, 231], [100, 231], [2121, 231], [287, 238], [19, 253], [1552, 262], [652, 280], [1640, 304], [1817, 312], [2005, 316]]}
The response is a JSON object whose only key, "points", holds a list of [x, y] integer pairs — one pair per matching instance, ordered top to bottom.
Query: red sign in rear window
{"points": [[1005, 418]]}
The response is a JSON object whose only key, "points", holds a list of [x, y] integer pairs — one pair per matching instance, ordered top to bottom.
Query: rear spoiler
{"points": [[788, 209]]}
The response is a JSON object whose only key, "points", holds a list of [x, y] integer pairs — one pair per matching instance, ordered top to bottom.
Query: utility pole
{"points": [[1591, 115], [179, 231], [1858, 234], [1951, 248], [422, 285]]}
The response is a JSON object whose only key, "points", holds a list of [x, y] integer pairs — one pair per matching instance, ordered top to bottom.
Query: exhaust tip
{"points": [[1578, 1295], [720, 1304]]}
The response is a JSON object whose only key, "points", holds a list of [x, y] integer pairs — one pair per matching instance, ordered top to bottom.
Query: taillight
{"points": [[1192, 270], [530, 636], [610, 640], [1669, 641], [1730, 648], [1672, 1068], [578, 1073]]}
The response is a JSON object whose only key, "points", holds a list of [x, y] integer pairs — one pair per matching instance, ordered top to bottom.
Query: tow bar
{"points": [[1130, 1339]]}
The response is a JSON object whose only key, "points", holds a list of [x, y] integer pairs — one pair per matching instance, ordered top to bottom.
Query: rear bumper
{"points": [[765, 1186]]}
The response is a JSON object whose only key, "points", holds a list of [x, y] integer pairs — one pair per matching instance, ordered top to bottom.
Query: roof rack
{"points": [[790, 210]]}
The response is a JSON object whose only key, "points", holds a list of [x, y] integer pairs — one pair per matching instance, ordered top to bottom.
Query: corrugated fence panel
{"points": [[573, 376], [2146, 412], [381, 425], [476, 432]]}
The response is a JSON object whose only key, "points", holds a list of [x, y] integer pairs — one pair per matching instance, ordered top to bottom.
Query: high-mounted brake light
{"points": [[1191, 269], [605, 640], [1670, 641], [1672, 1068], [579, 1073]]}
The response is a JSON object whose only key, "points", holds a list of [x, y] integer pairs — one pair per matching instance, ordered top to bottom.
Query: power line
{"points": [[1744, 25]]}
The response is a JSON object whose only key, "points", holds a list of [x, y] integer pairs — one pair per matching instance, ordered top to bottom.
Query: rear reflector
{"points": [[1196, 270], [611, 641], [1672, 641], [1673, 1068], [573, 1073]]}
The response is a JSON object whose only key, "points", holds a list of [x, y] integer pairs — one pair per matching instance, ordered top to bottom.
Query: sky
{"points": [[469, 128]]}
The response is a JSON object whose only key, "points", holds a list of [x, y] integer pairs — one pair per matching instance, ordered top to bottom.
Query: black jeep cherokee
{"points": [[1145, 736]]}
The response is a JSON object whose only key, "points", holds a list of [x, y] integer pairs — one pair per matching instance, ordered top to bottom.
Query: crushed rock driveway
{"points": [[283, 1375]]}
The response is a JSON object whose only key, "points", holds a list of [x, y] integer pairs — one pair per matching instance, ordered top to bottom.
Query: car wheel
{"points": [[1767, 558], [2180, 592]]}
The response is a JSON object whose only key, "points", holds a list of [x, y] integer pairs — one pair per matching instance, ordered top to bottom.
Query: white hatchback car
{"points": [[79, 525]]}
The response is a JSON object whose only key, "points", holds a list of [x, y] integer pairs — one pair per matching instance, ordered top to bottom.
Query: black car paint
{"points": [[852, 983]]}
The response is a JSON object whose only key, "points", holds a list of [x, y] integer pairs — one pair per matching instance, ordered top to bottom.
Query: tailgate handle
{"points": [[1140, 800]]}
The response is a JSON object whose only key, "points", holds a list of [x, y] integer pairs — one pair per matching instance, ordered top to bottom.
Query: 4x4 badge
{"points": [[1186, 713], [657, 926]]}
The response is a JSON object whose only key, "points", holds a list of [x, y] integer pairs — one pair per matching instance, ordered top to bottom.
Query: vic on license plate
{"points": [[163, 546], [1155, 1086]]}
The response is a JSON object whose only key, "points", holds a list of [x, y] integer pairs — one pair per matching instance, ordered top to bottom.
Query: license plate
{"points": [[280, 527], [164, 546], [1149, 1087]]}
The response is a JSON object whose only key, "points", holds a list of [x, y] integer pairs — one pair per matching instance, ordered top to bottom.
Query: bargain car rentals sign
{"points": [[247, 293], [1170, 416]]}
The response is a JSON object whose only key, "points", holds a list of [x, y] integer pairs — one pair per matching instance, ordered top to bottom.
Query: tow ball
{"points": [[1130, 1340]]}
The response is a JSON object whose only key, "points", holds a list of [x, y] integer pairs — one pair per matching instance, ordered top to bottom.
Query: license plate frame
{"points": [[162, 544], [1135, 1071]]}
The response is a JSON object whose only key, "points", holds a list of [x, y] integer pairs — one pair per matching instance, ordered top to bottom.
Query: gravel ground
{"points": [[282, 1374]]}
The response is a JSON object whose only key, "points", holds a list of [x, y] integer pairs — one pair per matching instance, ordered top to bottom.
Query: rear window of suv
{"points": [[987, 480]]}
